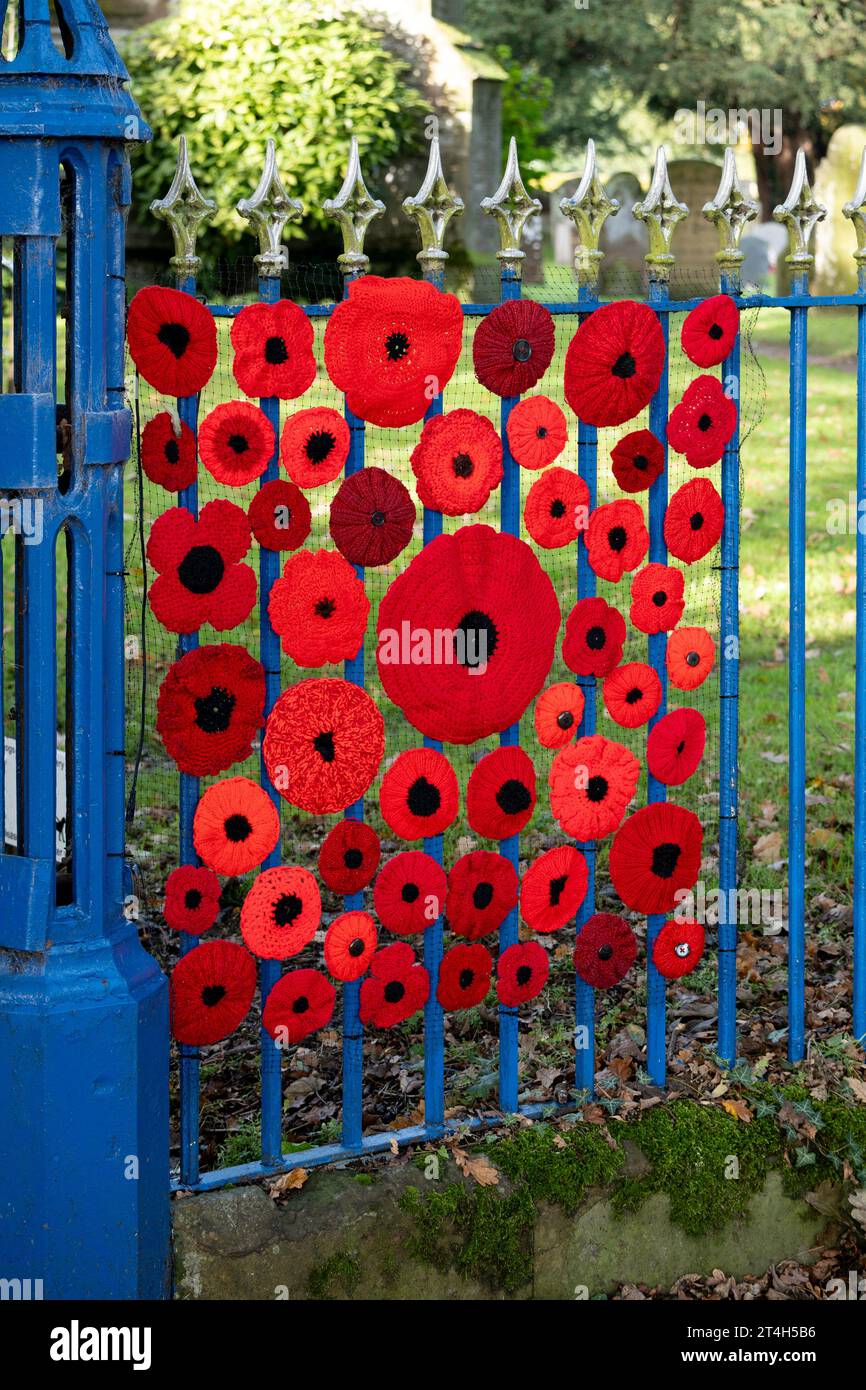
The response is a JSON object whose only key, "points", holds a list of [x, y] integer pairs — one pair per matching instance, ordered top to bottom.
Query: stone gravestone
{"points": [[561, 230], [624, 240], [695, 240], [835, 243], [764, 247]]}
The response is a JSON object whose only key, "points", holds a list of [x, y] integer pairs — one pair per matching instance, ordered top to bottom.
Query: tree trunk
{"points": [[775, 172]]}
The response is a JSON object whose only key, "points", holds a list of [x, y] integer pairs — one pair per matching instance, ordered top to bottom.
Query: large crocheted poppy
{"points": [[709, 330], [172, 340], [273, 346], [392, 346], [513, 346], [614, 363], [703, 422], [537, 432], [236, 442], [314, 446], [168, 452], [638, 459], [457, 462], [556, 508], [279, 516], [372, 517], [694, 520], [616, 539], [199, 577], [657, 601], [319, 608], [467, 634], [594, 638], [689, 658], [632, 694], [210, 707], [558, 712], [324, 741], [675, 746], [592, 782], [419, 794], [500, 794], [235, 826], [655, 854], [349, 856], [553, 888], [482, 890], [409, 892], [192, 899], [281, 912], [350, 942], [678, 948], [605, 950], [521, 973], [464, 976], [397, 987], [212, 988], [301, 1002]]}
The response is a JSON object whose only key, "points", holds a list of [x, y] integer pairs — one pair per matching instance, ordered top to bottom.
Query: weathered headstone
{"points": [[835, 180], [624, 240], [695, 241], [764, 248]]}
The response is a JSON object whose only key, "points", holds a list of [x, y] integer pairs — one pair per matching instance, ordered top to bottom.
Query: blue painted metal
{"points": [[797, 679], [859, 1009]]}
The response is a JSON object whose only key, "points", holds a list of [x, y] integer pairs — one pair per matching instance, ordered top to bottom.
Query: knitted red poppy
{"points": [[709, 331], [172, 340], [273, 346], [392, 346], [513, 346], [614, 363], [703, 422], [537, 432], [236, 442], [314, 446], [168, 452], [638, 459], [457, 462], [556, 508], [279, 516], [372, 517], [694, 520], [616, 539], [199, 577], [657, 601], [319, 607], [467, 634], [594, 638], [689, 658], [632, 694], [210, 707], [558, 712], [324, 741], [675, 746], [592, 782], [419, 794], [500, 795], [235, 826], [655, 854], [349, 856], [553, 888], [482, 890], [409, 892], [192, 899], [281, 913], [350, 942], [678, 948], [605, 950], [521, 973], [464, 976], [212, 988], [396, 988], [300, 1003]]}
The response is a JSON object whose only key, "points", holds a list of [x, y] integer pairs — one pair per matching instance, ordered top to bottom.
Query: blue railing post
{"points": [[797, 681]]}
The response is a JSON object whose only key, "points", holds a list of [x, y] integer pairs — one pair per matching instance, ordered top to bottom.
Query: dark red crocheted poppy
{"points": [[709, 331], [172, 340], [273, 346], [392, 346], [513, 346], [614, 363], [703, 422], [537, 432], [236, 442], [314, 446], [168, 453], [638, 459], [457, 462], [556, 508], [279, 516], [372, 517], [694, 520], [616, 539], [199, 577], [657, 601], [319, 607], [467, 634], [594, 638], [689, 658], [632, 694], [210, 707], [558, 712], [324, 741], [675, 746], [592, 782], [419, 794], [500, 795], [235, 826], [655, 855], [349, 856], [553, 888], [482, 890], [409, 892], [192, 899], [281, 912], [350, 942], [678, 948], [605, 950], [521, 973], [464, 976], [397, 987], [212, 988], [300, 1003]]}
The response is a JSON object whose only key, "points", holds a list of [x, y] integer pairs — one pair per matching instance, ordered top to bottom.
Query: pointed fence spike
{"points": [[512, 206], [354, 208], [432, 208], [589, 208], [184, 209], [268, 211], [730, 211], [662, 212], [856, 212], [800, 214]]}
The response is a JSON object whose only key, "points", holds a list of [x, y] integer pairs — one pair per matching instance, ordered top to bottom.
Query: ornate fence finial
{"points": [[512, 206], [183, 208], [354, 208], [432, 208], [589, 209], [268, 211], [661, 211], [730, 211], [856, 211], [800, 213]]}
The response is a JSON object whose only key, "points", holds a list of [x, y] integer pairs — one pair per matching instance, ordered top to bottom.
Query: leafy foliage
{"points": [[526, 97]]}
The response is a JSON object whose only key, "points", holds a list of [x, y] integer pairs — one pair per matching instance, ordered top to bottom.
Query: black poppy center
{"points": [[715, 331], [174, 336], [396, 346], [521, 350], [276, 351], [624, 366], [705, 422], [541, 432], [238, 443], [319, 445], [172, 451], [640, 462], [463, 466], [557, 507], [378, 518], [696, 521], [616, 538], [201, 569], [660, 598], [325, 608], [480, 638], [596, 638], [693, 659], [634, 695], [213, 712], [565, 719], [324, 745], [680, 746], [596, 788], [513, 797], [424, 798], [237, 828], [353, 859], [665, 859], [556, 888], [410, 892], [482, 895], [192, 899], [287, 908], [356, 948], [605, 952], [524, 974], [466, 978], [394, 991], [211, 995], [301, 1004]]}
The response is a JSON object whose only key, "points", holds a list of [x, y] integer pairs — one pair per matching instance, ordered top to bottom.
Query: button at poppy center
{"points": [[715, 331], [174, 336], [521, 350], [705, 422], [238, 443], [172, 451], [378, 518], [696, 521], [201, 569], [660, 598], [325, 608], [693, 659], [213, 712], [565, 718], [324, 746], [596, 788], [353, 859], [556, 888], [482, 895], [192, 899], [355, 948], [605, 952], [524, 974], [466, 978], [394, 991]]}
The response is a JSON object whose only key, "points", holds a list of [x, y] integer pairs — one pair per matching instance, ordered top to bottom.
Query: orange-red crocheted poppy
{"points": [[709, 330], [172, 340], [273, 346], [513, 346], [614, 363], [703, 422], [537, 432], [236, 443], [314, 446], [168, 452], [638, 459], [457, 462], [556, 510], [279, 516], [372, 517], [694, 520], [616, 539], [199, 577], [657, 601], [319, 608], [594, 638], [689, 658], [632, 694], [210, 707], [558, 712], [324, 741], [676, 745], [592, 782], [419, 794], [500, 794], [235, 826], [655, 854], [349, 856], [553, 888], [482, 890], [409, 892], [192, 899], [281, 912], [350, 942], [678, 948], [605, 950], [521, 973], [464, 976], [397, 987], [212, 988], [300, 1003]]}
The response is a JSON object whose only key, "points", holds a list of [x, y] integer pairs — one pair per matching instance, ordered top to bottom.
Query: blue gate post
{"points": [[83, 1009]]}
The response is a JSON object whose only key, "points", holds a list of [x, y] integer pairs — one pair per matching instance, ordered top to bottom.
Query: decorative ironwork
{"points": [[512, 206], [184, 208], [354, 208], [432, 208], [589, 209], [268, 211], [730, 211], [856, 211], [662, 212], [800, 213]]}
